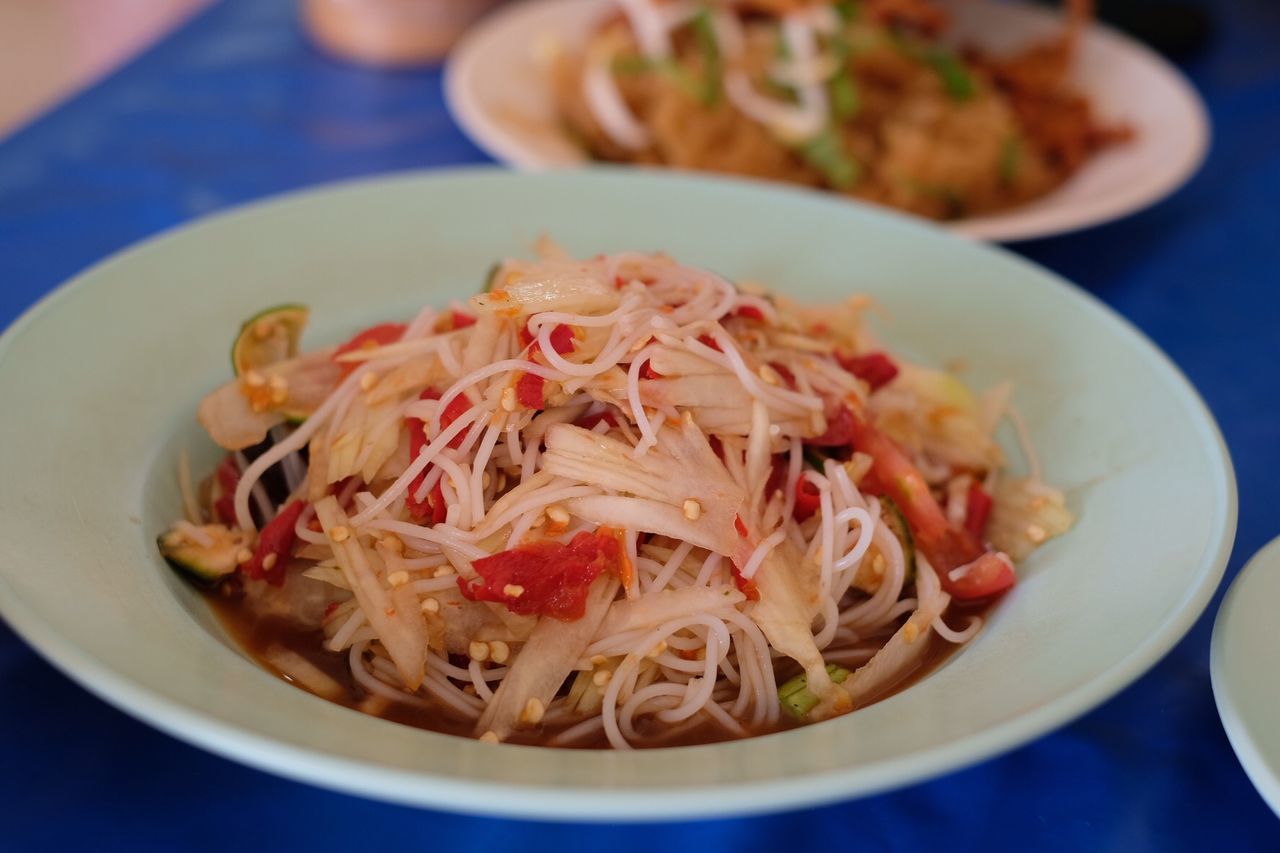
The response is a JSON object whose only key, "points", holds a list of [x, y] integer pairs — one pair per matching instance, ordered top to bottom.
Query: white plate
{"points": [[497, 89], [101, 380], [1244, 663]]}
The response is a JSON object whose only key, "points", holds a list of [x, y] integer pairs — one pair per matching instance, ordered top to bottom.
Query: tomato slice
{"points": [[375, 336], [874, 368], [530, 391], [839, 430], [977, 510], [275, 543], [945, 547], [989, 575], [545, 578]]}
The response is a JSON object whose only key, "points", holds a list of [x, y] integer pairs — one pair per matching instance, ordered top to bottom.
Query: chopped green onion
{"points": [[849, 10], [704, 33], [669, 68], [956, 79], [845, 102], [826, 153], [1010, 159], [491, 276], [815, 457], [796, 697]]}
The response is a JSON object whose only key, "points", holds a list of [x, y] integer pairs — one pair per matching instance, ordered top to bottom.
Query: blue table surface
{"points": [[236, 105]]}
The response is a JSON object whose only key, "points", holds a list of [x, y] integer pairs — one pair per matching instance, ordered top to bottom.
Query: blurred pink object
{"points": [[390, 32]]}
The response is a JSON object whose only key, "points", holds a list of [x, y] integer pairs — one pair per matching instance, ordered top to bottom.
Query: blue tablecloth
{"points": [[236, 106]]}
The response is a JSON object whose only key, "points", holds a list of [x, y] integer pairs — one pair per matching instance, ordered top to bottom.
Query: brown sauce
{"points": [[258, 635]]}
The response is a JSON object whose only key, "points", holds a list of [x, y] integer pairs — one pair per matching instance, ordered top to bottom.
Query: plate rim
{"points": [[1005, 226], [1265, 779], [424, 788]]}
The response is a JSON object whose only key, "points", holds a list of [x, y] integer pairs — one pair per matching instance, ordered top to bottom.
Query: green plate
{"points": [[101, 380]]}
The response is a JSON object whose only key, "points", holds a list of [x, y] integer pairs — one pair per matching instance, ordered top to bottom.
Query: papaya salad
{"points": [[863, 97], [613, 502]]}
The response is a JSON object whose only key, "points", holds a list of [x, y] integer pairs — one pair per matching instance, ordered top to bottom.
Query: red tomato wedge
{"points": [[375, 336], [874, 368], [530, 391], [457, 406], [977, 510], [275, 543], [945, 547], [546, 578]]}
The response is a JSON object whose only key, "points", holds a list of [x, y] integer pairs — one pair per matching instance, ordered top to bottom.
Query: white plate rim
{"points": [[1009, 226], [1260, 772], [586, 804]]}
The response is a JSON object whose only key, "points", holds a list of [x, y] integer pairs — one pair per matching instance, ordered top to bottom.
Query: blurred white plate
{"points": [[498, 91], [1243, 663]]}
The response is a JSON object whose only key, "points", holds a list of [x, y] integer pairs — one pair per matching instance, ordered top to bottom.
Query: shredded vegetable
{"points": [[612, 500]]}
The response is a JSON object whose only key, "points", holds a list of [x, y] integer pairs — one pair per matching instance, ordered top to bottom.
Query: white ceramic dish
{"points": [[498, 92], [101, 379], [1243, 662]]}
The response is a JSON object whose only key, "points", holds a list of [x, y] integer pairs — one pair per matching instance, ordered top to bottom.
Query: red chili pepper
{"points": [[748, 312], [461, 320], [375, 336], [874, 368], [647, 371], [530, 391], [228, 476], [808, 499], [977, 510], [740, 526], [276, 540], [545, 578], [746, 587]]}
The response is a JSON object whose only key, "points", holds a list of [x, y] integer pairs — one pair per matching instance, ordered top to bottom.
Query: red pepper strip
{"points": [[748, 312], [461, 320], [375, 336], [707, 340], [874, 368], [647, 371], [839, 430], [228, 476], [808, 499], [977, 510], [740, 526], [276, 540], [946, 547], [545, 578], [746, 587]]}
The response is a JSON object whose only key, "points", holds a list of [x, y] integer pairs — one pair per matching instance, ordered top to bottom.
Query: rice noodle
{"points": [[681, 422]]}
